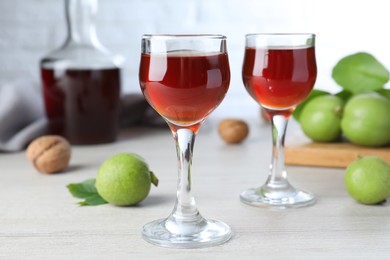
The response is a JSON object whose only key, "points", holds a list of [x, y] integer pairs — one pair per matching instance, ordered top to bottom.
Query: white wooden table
{"points": [[39, 219]]}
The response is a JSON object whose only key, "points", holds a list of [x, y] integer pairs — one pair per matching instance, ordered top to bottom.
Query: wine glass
{"points": [[279, 71], [184, 78]]}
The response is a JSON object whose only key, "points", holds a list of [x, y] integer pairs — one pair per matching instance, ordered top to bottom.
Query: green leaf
{"points": [[360, 72], [384, 92], [314, 93], [344, 95], [86, 190], [94, 200]]}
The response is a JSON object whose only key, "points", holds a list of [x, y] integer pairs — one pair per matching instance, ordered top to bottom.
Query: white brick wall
{"points": [[30, 28]]}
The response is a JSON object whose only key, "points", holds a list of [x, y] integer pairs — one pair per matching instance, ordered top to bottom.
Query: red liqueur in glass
{"points": [[279, 79], [184, 87], [82, 104]]}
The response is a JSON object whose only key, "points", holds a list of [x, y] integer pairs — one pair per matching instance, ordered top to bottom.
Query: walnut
{"points": [[233, 131], [49, 154]]}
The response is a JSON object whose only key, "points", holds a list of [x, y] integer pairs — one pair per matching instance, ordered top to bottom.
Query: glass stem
{"points": [[277, 178], [185, 210]]}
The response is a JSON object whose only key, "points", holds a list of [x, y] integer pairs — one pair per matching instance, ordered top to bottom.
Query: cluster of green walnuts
{"points": [[363, 119]]}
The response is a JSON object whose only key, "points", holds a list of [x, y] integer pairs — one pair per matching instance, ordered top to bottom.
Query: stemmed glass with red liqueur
{"points": [[279, 71], [184, 78]]}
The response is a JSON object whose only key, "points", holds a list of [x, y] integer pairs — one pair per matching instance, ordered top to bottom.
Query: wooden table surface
{"points": [[39, 219]]}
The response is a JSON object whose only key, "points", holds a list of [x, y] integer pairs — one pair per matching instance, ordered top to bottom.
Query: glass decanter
{"points": [[82, 81]]}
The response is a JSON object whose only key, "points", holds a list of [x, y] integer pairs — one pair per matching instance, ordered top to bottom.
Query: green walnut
{"points": [[321, 118], [366, 120], [124, 179]]}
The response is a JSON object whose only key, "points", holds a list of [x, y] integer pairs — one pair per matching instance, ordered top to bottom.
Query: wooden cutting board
{"points": [[300, 150]]}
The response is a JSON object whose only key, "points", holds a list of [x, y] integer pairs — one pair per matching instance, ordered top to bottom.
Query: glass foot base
{"points": [[262, 197], [204, 233]]}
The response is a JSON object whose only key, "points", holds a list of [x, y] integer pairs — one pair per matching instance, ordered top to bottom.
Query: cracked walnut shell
{"points": [[49, 153]]}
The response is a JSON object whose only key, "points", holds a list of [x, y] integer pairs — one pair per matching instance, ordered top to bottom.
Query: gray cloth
{"points": [[21, 115]]}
